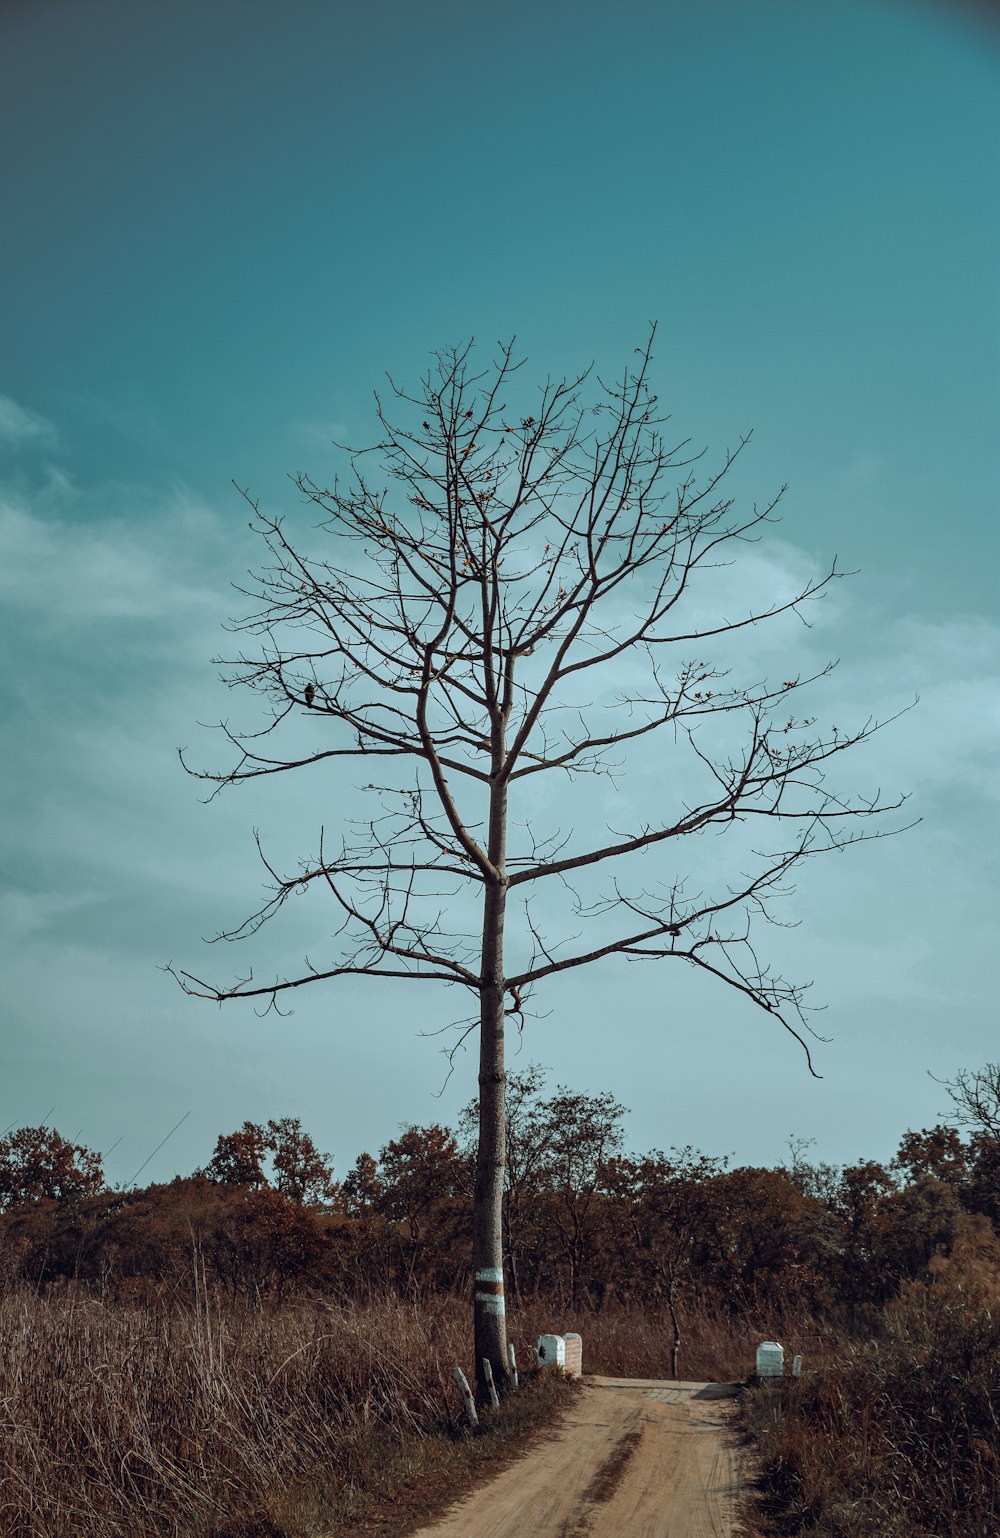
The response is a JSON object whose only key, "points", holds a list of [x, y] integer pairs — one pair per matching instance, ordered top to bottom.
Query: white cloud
{"points": [[18, 425], [67, 572], [951, 665]]}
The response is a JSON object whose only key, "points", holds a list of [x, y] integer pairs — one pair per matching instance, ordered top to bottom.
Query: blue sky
{"points": [[225, 222]]}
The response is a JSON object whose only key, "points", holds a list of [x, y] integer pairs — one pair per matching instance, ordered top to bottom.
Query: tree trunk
{"points": [[487, 1249], [513, 1253], [489, 1314], [676, 1346]]}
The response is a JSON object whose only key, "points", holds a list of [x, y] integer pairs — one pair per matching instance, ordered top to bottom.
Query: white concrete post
{"points": [[551, 1351], [770, 1361], [796, 1366], [488, 1375], [514, 1379], [470, 1403]]}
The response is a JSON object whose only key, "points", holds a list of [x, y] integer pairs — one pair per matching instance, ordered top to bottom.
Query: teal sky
{"points": [[223, 223]]}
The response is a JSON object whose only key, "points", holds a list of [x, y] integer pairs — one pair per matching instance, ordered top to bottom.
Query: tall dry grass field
{"points": [[172, 1418], [197, 1419]]}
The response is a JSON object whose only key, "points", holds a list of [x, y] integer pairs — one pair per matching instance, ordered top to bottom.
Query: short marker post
{"points": [[488, 1375], [515, 1380], [470, 1403]]}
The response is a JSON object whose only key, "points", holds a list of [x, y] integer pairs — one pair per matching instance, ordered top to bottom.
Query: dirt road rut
{"points": [[634, 1458]]}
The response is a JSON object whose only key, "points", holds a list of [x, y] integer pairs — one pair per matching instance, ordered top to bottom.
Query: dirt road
{"points": [[634, 1458]]}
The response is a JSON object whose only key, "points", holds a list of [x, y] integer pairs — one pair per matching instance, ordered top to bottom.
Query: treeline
{"points": [[586, 1224]]}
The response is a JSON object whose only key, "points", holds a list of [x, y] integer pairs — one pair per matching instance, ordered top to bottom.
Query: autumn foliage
{"points": [[37, 1164], [588, 1225], [259, 1309]]}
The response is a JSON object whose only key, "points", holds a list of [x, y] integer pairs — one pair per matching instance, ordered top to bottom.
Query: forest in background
{"points": [[586, 1224], [261, 1350]]}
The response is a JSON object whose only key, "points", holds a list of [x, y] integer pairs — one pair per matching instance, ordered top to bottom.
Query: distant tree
{"points": [[517, 610], [975, 1094], [527, 1132], [582, 1133], [557, 1146], [936, 1151], [239, 1157], [37, 1163], [417, 1170], [301, 1172], [424, 1178], [818, 1180], [362, 1188], [982, 1193], [667, 1205], [863, 1207], [920, 1222], [758, 1237], [264, 1244]]}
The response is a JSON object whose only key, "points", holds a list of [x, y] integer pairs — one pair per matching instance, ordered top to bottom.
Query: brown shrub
{"points": [[898, 1436]]}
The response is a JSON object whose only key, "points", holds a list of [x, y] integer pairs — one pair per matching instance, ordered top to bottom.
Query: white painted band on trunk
{"points": [[491, 1274], [490, 1303]]}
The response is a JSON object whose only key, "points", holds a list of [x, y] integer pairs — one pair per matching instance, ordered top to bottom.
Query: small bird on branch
{"points": [[310, 693]]}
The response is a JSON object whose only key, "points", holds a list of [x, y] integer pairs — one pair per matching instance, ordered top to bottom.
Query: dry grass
{"points": [[634, 1342], [185, 1419], [200, 1419], [898, 1436]]}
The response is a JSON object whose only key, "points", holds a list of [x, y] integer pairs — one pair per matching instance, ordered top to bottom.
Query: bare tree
{"points": [[502, 600], [975, 1094]]}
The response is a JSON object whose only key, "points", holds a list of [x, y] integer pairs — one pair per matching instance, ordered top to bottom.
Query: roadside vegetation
{"points": [[260, 1350], [220, 1420], [896, 1431]]}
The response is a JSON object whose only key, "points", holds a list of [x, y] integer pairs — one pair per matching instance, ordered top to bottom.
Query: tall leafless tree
{"points": [[479, 596], [975, 1095]]}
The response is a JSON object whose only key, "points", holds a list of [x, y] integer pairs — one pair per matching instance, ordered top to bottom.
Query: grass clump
{"points": [[898, 1436]]}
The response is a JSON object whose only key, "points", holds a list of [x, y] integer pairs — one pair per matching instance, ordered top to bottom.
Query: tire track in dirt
{"points": [[633, 1458], [607, 1479]]}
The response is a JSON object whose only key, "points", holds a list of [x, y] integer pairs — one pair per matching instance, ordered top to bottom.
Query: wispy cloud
{"points": [[18, 425], [319, 435], [66, 572], [951, 664]]}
